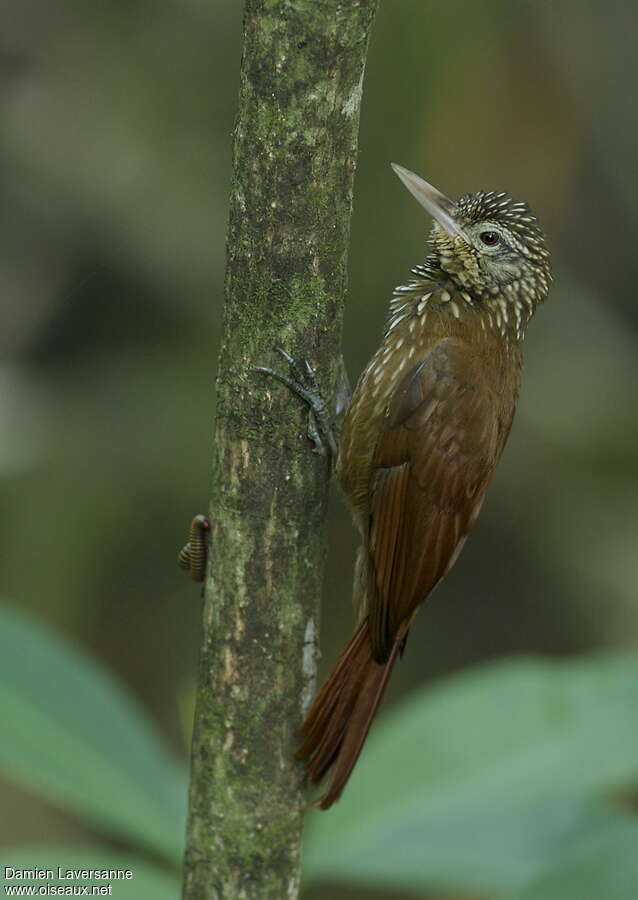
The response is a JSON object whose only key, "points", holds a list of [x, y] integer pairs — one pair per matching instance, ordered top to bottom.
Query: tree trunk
{"points": [[294, 159]]}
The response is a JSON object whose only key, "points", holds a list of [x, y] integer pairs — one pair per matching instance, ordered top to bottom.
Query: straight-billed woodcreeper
{"points": [[420, 438]]}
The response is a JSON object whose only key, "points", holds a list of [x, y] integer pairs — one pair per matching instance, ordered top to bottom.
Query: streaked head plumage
{"points": [[489, 244], [500, 247]]}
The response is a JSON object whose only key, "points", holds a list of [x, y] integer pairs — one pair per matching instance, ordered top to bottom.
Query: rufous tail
{"points": [[338, 722]]}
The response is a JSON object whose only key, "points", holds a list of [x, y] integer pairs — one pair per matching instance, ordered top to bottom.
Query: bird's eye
{"points": [[490, 237]]}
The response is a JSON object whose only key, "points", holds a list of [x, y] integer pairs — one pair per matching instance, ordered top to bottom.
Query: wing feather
{"points": [[431, 467]]}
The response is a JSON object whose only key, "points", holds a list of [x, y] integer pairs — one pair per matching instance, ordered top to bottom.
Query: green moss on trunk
{"points": [[294, 159]]}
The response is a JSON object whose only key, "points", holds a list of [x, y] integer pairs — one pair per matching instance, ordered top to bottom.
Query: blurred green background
{"points": [[115, 135]]}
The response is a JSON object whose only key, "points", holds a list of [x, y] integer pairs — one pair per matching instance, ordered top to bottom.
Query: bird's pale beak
{"points": [[436, 203]]}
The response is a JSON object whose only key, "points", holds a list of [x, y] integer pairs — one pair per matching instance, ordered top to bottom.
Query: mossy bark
{"points": [[294, 159]]}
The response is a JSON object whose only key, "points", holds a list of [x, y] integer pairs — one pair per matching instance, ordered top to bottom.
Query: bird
{"points": [[419, 442]]}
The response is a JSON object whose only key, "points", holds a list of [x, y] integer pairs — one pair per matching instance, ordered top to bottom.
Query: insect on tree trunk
{"points": [[294, 158]]}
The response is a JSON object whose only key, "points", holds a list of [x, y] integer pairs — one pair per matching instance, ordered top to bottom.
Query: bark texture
{"points": [[294, 159]]}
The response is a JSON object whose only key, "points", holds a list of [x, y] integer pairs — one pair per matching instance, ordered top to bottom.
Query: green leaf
{"points": [[70, 731], [474, 784], [602, 868], [147, 883]]}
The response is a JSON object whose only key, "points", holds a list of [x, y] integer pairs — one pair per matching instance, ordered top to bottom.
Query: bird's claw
{"points": [[302, 381]]}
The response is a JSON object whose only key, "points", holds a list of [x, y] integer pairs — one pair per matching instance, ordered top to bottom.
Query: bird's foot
{"points": [[302, 382], [194, 553]]}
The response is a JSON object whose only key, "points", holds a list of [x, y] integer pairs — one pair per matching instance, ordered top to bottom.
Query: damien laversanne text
{"points": [[11, 873]]}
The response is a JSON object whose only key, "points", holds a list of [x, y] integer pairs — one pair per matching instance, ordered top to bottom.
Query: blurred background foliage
{"points": [[115, 134]]}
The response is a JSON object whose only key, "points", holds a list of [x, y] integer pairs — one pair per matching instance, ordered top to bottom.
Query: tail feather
{"points": [[321, 711], [338, 723]]}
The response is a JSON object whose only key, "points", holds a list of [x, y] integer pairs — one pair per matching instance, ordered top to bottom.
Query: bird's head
{"points": [[488, 244]]}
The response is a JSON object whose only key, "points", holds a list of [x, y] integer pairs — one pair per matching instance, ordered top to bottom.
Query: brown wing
{"points": [[431, 468]]}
